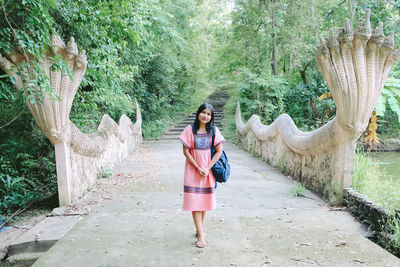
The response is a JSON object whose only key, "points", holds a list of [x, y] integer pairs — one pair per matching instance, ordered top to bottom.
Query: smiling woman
{"points": [[199, 181]]}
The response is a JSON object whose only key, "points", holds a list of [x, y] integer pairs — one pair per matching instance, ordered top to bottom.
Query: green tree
{"points": [[155, 52]]}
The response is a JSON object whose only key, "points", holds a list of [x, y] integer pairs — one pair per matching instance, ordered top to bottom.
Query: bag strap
{"points": [[212, 136], [212, 146]]}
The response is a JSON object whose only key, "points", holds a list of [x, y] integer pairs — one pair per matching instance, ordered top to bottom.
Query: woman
{"points": [[199, 182]]}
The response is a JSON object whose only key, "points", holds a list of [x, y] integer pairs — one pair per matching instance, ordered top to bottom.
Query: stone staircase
{"points": [[217, 100]]}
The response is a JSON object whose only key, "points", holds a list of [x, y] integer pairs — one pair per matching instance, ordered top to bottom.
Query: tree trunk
{"points": [[352, 11], [316, 26], [273, 36], [246, 59], [273, 60], [284, 66], [311, 101]]}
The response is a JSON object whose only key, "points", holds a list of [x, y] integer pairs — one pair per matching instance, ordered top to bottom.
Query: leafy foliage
{"points": [[27, 26], [292, 28], [149, 51], [165, 55], [263, 95], [390, 97], [27, 166], [374, 182], [383, 189], [298, 191]]}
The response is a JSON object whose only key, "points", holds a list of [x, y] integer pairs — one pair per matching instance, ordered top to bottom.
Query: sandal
{"points": [[200, 244]]}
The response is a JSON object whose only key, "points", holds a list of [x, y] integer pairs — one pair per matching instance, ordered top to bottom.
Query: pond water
{"points": [[387, 161]]}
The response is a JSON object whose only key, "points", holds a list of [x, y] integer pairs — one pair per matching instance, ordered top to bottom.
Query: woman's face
{"points": [[205, 116]]}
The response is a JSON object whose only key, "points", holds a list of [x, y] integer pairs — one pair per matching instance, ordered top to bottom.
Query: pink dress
{"points": [[199, 191]]}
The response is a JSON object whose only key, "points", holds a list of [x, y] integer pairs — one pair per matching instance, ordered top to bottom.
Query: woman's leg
{"points": [[203, 215], [197, 218], [198, 222]]}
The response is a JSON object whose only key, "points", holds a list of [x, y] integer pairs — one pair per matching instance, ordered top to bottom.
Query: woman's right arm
{"points": [[189, 157]]}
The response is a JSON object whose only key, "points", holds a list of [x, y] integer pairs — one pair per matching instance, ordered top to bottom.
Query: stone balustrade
{"points": [[355, 66], [79, 157]]}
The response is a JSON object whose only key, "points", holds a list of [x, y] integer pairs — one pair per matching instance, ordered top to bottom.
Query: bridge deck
{"points": [[136, 220]]}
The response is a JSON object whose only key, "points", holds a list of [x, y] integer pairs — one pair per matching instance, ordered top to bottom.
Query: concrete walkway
{"points": [[136, 219]]}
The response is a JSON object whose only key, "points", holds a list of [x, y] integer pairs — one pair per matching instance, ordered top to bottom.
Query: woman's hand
{"points": [[203, 172]]}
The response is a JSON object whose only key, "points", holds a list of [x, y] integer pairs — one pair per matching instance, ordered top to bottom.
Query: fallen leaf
{"points": [[342, 244], [297, 259]]}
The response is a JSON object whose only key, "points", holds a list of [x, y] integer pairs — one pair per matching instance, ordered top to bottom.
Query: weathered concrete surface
{"points": [[136, 220], [43, 235]]}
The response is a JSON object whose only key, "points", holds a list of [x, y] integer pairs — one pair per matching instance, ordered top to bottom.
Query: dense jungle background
{"points": [[169, 56]]}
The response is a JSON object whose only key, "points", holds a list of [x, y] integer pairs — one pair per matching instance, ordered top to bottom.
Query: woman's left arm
{"points": [[217, 155]]}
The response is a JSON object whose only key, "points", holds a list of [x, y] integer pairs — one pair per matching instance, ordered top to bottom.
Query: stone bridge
{"points": [[136, 217]]}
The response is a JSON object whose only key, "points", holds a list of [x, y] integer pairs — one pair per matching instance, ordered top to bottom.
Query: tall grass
{"points": [[374, 182], [384, 190]]}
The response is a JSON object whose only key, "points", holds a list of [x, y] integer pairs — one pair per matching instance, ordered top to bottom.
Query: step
{"points": [[217, 100], [216, 112], [194, 116], [190, 121], [184, 124], [181, 128], [177, 132], [173, 133], [169, 137], [42, 236], [23, 259]]}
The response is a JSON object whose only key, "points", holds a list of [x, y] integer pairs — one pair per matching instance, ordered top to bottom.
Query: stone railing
{"points": [[355, 66], [79, 157]]}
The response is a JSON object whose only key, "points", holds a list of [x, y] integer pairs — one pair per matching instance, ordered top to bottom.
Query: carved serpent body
{"points": [[355, 66]]}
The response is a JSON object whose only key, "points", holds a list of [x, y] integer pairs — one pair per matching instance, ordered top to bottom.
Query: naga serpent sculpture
{"points": [[355, 66], [79, 156]]}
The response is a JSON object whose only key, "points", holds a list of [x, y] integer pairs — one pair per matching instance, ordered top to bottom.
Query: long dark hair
{"points": [[196, 123]]}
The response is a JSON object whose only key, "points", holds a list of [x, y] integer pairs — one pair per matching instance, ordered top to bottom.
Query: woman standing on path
{"points": [[199, 182]]}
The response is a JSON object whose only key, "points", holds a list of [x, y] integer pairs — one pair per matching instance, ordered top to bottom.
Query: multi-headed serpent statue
{"points": [[355, 66], [79, 156]]}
